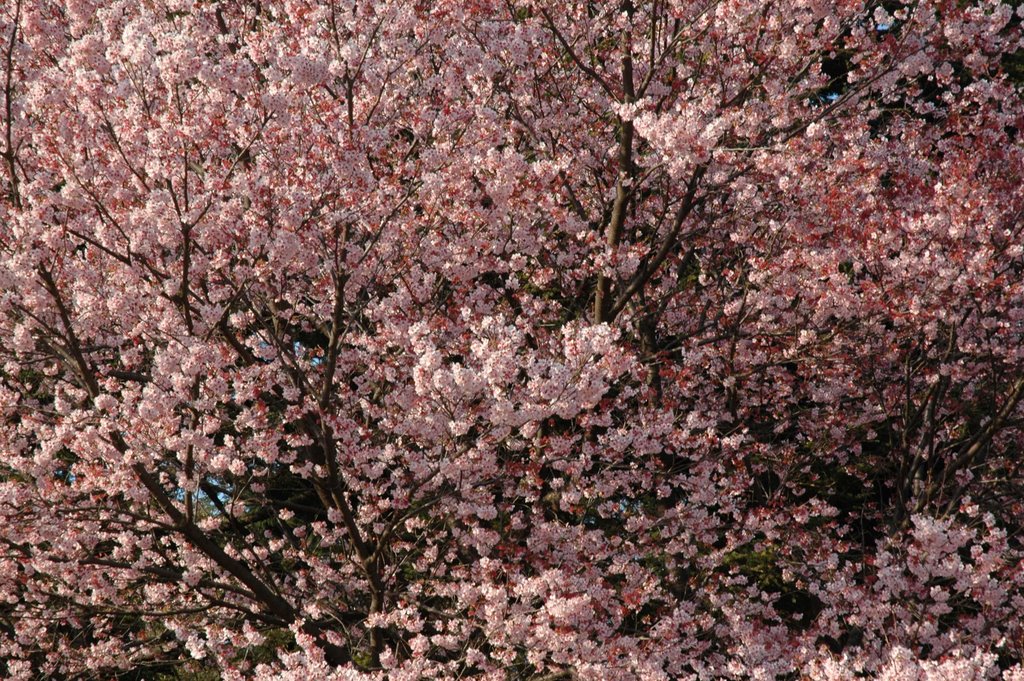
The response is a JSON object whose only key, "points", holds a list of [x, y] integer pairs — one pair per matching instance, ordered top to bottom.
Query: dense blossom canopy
{"points": [[511, 339]]}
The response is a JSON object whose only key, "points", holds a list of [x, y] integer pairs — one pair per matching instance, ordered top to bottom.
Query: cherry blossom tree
{"points": [[519, 339]]}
